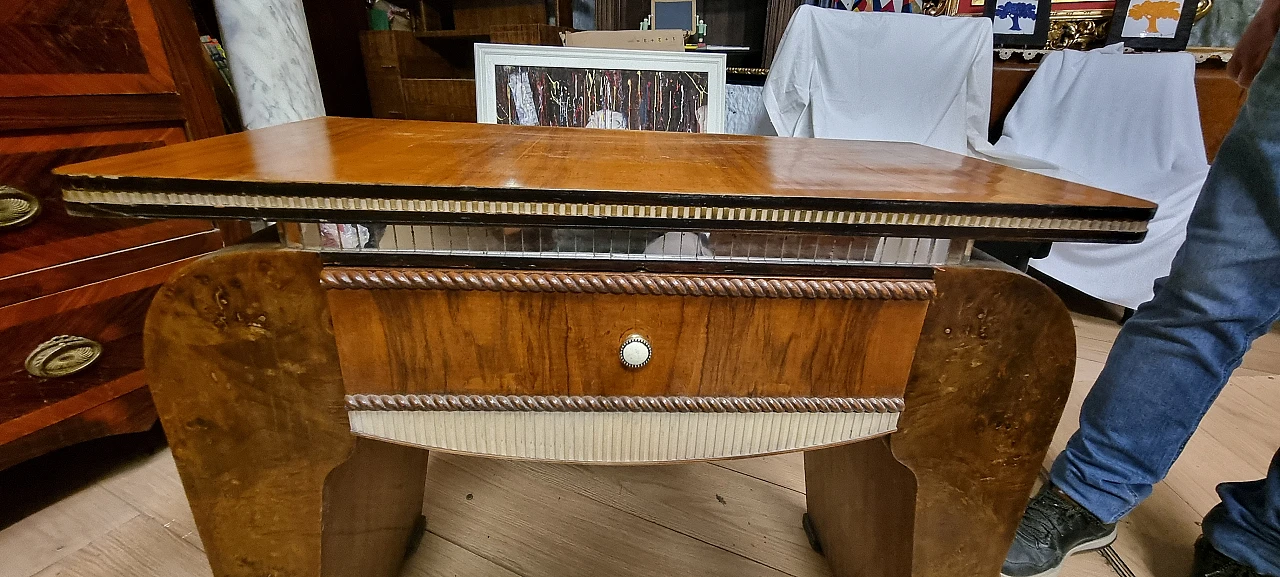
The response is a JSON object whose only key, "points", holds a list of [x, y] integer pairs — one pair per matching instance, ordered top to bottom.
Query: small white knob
{"points": [[635, 352]]}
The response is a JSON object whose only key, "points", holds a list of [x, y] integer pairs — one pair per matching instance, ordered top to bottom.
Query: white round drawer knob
{"points": [[635, 352]]}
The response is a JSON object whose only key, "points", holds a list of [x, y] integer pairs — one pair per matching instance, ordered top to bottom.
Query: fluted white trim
{"points": [[686, 213], [618, 438]]}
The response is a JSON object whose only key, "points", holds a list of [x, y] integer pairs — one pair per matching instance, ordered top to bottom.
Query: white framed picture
{"points": [[1152, 19], [600, 88]]}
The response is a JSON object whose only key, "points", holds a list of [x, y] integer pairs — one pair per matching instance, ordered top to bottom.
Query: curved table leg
{"points": [[243, 366], [941, 497]]}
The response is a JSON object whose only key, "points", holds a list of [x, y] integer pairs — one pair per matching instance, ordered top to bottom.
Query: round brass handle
{"points": [[17, 208], [62, 355]]}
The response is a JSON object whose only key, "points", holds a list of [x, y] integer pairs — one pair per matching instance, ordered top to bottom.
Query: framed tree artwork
{"points": [[1019, 23], [1076, 24], [1152, 24]]}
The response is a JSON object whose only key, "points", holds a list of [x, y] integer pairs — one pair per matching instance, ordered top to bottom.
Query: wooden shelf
{"points": [[541, 34], [474, 35]]}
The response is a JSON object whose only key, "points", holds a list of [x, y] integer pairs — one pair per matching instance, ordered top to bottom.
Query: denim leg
{"points": [[1174, 355], [1245, 526]]}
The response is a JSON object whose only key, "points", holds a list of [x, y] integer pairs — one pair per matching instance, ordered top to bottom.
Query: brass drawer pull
{"points": [[17, 208], [62, 355]]}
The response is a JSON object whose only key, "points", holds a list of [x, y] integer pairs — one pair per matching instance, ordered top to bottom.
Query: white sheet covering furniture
{"points": [[883, 76], [1127, 123]]}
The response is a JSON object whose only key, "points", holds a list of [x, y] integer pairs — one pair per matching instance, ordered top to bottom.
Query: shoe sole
{"points": [[1081, 548]]}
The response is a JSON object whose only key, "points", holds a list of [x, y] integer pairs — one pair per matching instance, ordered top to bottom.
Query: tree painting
{"points": [[1016, 10], [1154, 10]]}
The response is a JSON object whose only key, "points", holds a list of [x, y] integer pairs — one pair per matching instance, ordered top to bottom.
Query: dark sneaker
{"points": [[1053, 528], [1211, 563]]}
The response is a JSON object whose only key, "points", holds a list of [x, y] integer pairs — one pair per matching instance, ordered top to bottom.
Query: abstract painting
{"points": [[600, 88], [668, 101]]}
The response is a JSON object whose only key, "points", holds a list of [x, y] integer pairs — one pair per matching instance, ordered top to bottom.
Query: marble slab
{"points": [[1224, 23], [272, 65]]}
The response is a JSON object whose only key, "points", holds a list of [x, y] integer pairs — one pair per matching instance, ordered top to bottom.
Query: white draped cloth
{"points": [[882, 76], [1127, 123]]}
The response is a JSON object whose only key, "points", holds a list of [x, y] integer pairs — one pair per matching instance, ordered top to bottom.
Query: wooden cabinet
{"points": [[84, 80]]}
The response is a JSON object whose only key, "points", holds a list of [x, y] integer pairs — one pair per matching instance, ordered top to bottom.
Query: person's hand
{"points": [[1255, 44]]}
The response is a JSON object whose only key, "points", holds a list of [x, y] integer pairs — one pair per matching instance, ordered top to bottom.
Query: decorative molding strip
{"points": [[1078, 29], [596, 210], [630, 284], [623, 404], [619, 437]]}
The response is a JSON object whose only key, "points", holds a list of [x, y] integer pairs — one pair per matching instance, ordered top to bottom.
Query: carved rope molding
{"points": [[630, 284], [622, 404]]}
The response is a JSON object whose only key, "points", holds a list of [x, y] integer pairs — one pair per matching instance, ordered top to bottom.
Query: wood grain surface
{"points": [[62, 47], [390, 55], [187, 64], [83, 80], [445, 99], [39, 112], [410, 159], [55, 237], [33, 284], [109, 312], [515, 343], [243, 368], [38, 415], [86, 417], [942, 496]]}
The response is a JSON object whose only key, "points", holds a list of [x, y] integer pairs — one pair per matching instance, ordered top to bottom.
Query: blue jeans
{"points": [[1174, 355]]}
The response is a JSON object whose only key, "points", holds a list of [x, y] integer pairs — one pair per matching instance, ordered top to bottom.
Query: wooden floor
{"points": [[733, 519]]}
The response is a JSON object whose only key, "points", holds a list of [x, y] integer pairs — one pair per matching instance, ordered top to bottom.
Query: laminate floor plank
{"points": [[1094, 328], [1269, 342], [1263, 392], [785, 470], [151, 485], [735, 512], [515, 518], [61, 529], [1155, 539], [140, 547], [438, 557], [1089, 564]]}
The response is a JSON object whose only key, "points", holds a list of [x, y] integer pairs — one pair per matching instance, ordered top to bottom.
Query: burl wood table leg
{"points": [[243, 366], [942, 496]]}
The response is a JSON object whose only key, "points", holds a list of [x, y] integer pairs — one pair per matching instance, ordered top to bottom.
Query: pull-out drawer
{"points": [[45, 250], [503, 333], [622, 368], [86, 384]]}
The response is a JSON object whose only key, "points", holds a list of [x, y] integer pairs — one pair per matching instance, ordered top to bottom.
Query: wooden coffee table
{"points": [[606, 298]]}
